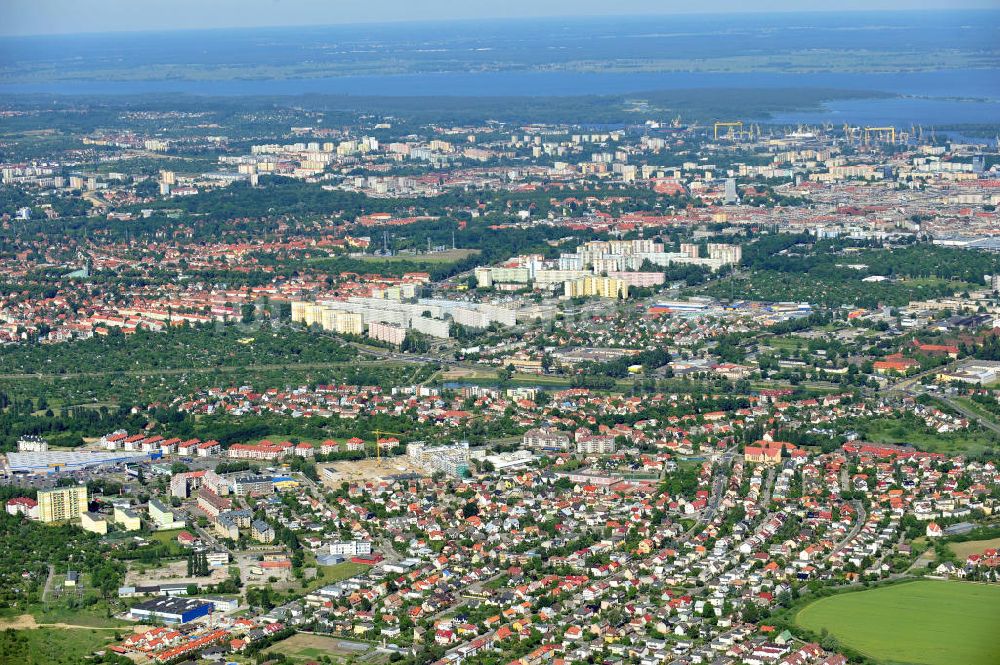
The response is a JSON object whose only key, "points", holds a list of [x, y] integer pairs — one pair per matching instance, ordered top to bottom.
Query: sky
{"points": [[37, 17]]}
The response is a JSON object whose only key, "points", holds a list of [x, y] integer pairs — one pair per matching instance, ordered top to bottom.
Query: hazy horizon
{"points": [[30, 18]]}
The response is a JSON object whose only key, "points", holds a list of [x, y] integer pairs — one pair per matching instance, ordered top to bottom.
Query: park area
{"points": [[923, 623]]}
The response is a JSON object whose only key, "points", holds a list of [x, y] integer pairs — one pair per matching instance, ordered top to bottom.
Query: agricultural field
{"points": [[963, 550], [919, 623]]}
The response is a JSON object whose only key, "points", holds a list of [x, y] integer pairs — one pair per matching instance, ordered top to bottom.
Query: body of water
{"points": [[542, 58], [976, 84], [927, 98]]}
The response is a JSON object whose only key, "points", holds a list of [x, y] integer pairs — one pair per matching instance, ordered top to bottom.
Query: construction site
{"points": [[333, 474]]}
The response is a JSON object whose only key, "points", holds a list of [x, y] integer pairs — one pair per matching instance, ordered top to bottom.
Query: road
{"points": [[906, 385], [911, 386], [971, 415], [719, 483], [768, 486], [862, 516], [204, 534], [382, 545], [48, 582], [466, 596]]}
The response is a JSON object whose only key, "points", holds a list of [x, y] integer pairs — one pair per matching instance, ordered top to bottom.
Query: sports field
{"points": [[926, 622], [304, 647]]}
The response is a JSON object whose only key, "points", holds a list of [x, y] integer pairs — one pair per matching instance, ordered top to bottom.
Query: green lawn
{"points": [[790, 343], [168, 537], [341, 571], [331, 574], [925, 622], [47, 646]]}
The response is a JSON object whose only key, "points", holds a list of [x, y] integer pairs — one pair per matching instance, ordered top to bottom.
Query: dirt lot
{"points": [[446, 256], [458, 373], [365, 470], [249, 562], [174, 572], [28, 622]]}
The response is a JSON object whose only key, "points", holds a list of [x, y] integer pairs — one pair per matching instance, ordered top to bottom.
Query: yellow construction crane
{"points": [[738, 125], [880, 133]]}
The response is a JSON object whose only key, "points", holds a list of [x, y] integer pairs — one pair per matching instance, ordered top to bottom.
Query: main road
{"points": [[969, 413]]}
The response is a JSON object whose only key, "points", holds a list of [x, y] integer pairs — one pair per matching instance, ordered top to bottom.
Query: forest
{"points": [[830, 272], [177, 348]]}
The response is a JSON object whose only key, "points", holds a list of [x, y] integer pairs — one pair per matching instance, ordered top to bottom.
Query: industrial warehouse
{"points": [[55, 461], [171, 609]]}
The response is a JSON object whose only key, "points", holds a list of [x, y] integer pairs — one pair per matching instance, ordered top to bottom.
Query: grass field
{"points": [[447, 256], [892, 430], [165, 537], [963, 550], [342, 571], [336, 573], [93, 617], [925, 623], [48, 646], [302, 647]]}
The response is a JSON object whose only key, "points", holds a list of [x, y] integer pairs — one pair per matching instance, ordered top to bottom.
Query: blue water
{"points": [[504, 58], [965, 83], [944, 97], [897, 111]]}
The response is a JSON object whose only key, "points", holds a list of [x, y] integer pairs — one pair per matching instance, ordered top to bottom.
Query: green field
{"points": [[895, 430], [166, 537], [963, 550], [342, 571], [334, 573], [95, 616], [925, 623], [48, 646], [303, 647]]}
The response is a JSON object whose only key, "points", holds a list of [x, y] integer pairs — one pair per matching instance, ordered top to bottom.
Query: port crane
{"points": [[732, 128], [880, 134]]}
